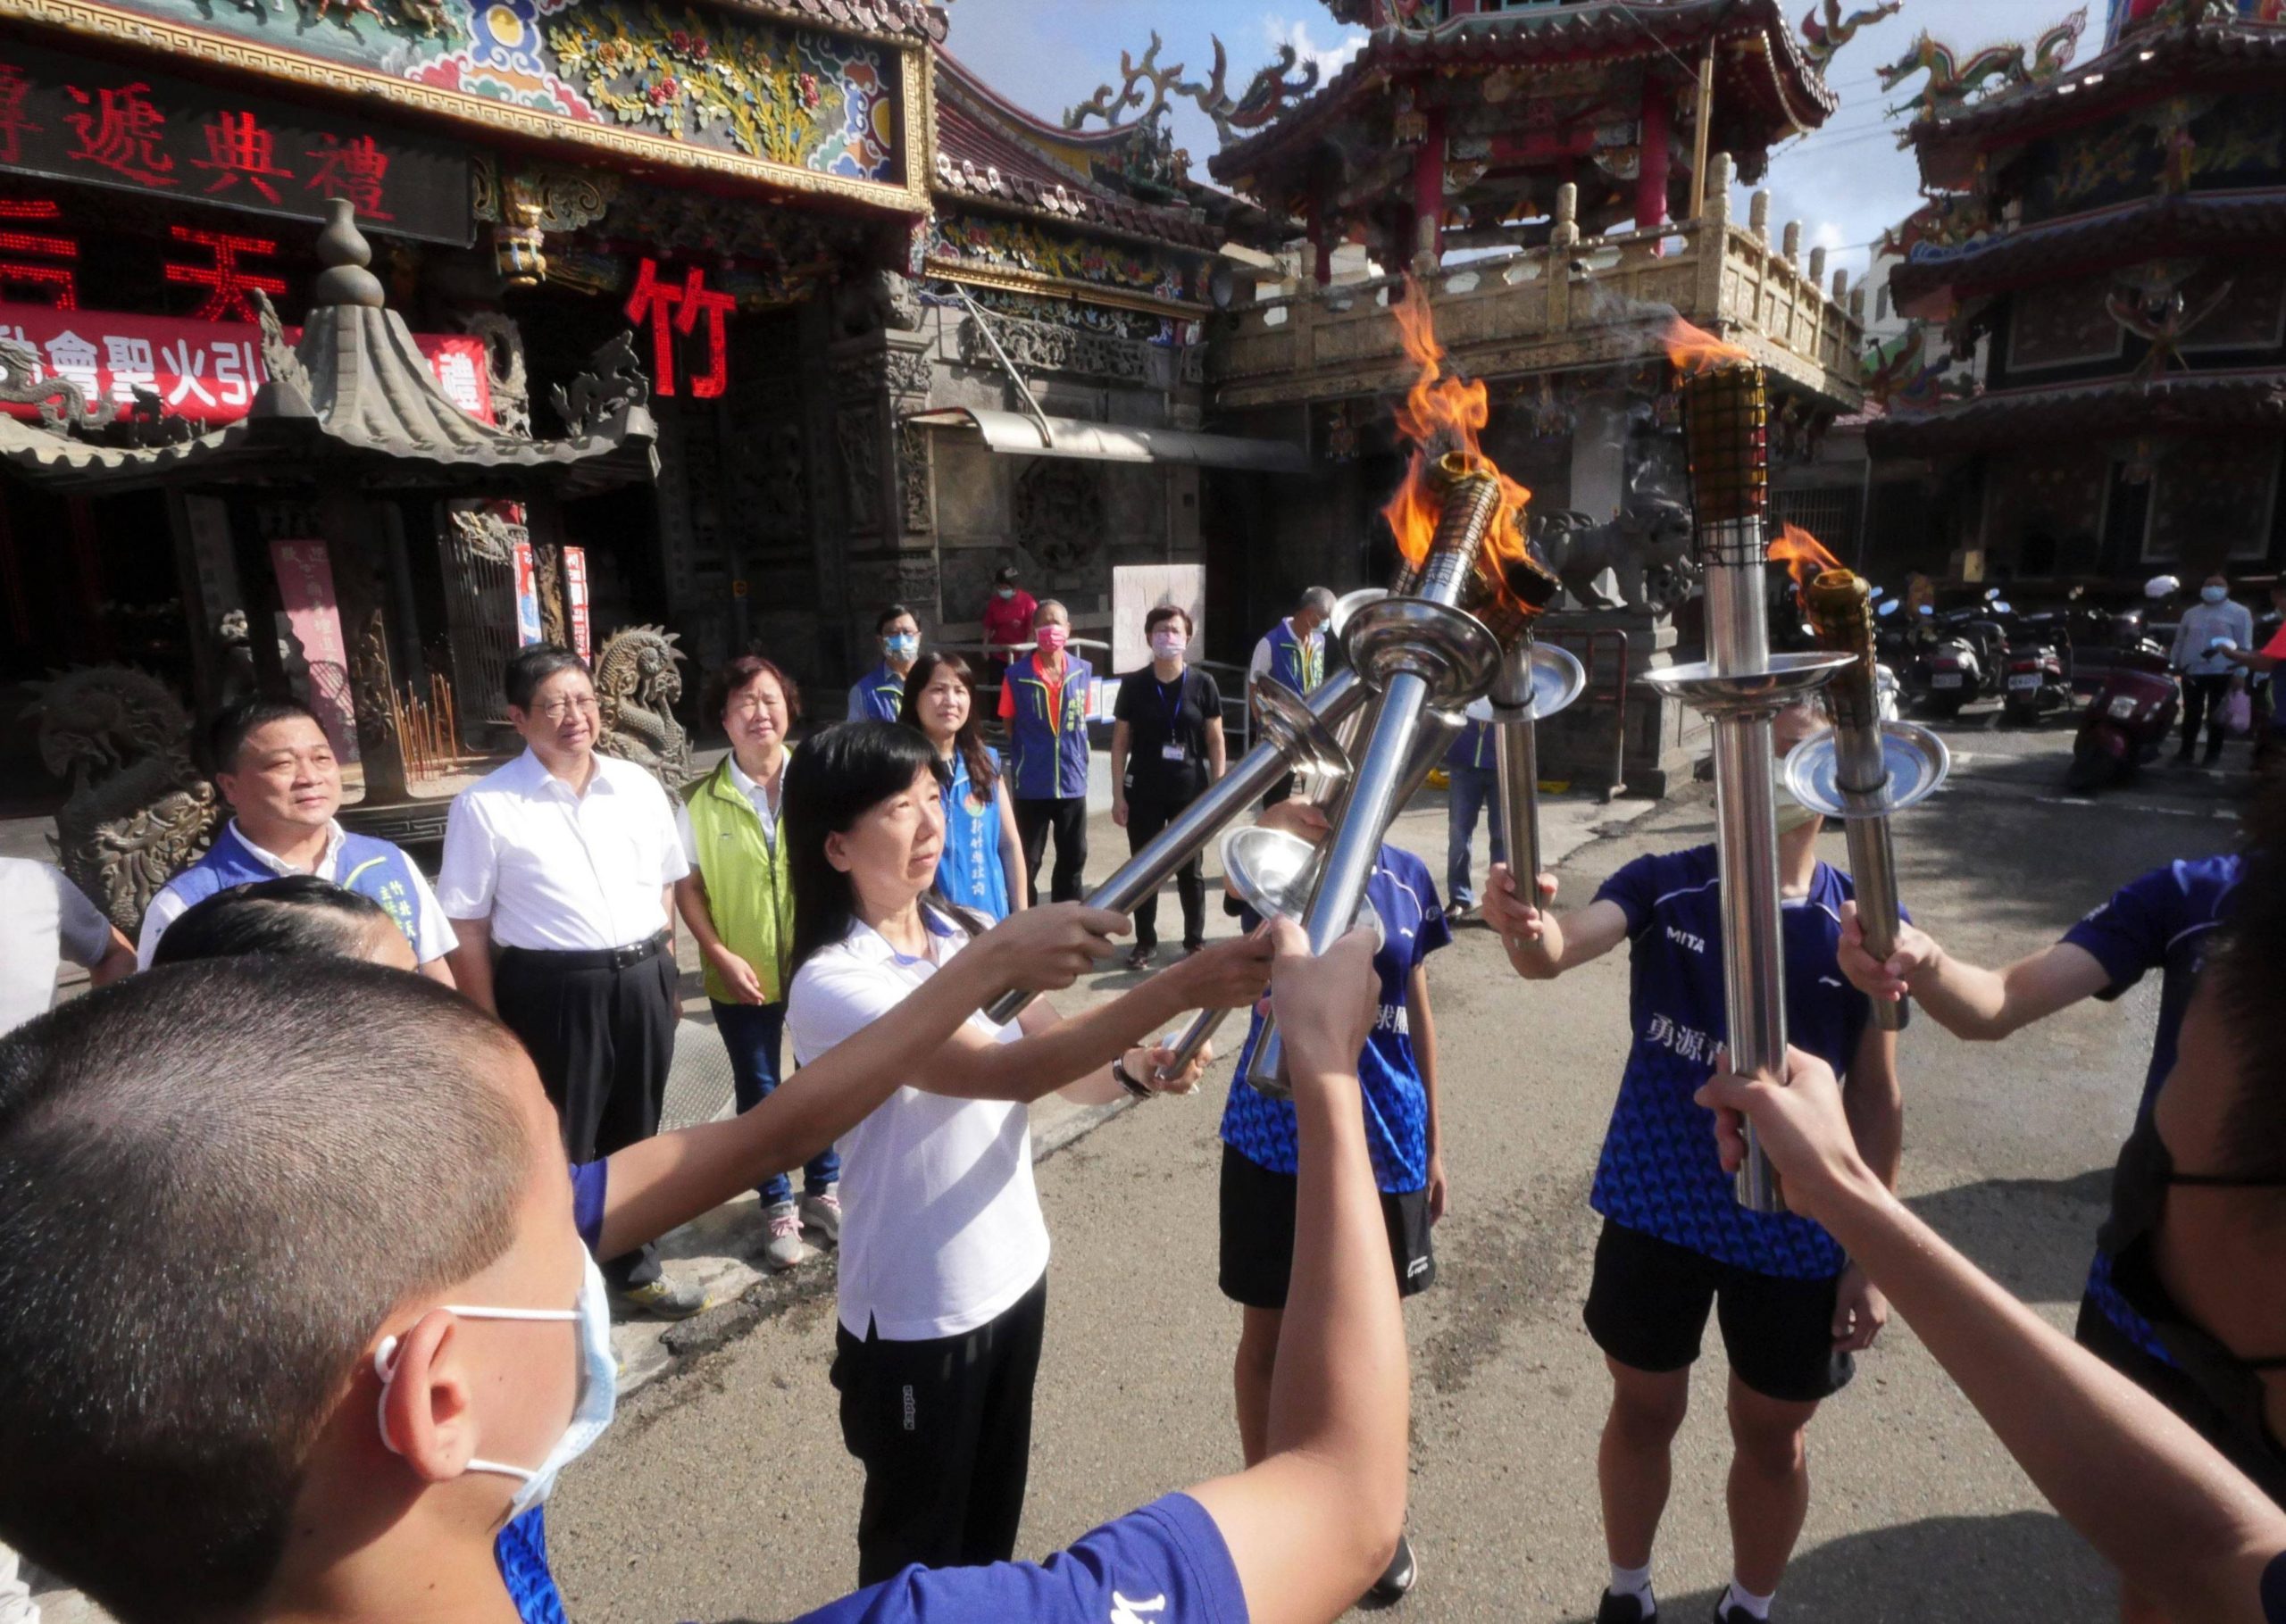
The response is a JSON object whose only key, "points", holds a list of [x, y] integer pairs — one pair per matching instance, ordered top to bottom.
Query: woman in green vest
{"points": [[740, 909]]}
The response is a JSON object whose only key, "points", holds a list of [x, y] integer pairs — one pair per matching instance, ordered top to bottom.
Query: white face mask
{"points": [[1006, 592], [1167, 644], [591, 1412]]}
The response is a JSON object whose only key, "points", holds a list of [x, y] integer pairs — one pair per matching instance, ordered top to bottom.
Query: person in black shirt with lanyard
{"points": [[1166, 747]]}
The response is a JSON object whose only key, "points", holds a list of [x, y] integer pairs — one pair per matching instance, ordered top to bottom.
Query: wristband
{"points": [[1125, 1079]]}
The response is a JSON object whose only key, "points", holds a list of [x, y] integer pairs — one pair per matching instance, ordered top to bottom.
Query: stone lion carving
{"points": [[1647, 549], [637, 684], [139, 811]]}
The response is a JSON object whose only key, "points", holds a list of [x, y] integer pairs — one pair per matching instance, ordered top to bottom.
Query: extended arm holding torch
{"points": [[1840, 608]]}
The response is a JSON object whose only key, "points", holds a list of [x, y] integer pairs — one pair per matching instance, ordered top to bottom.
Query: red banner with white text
{"points": [[204, 371]]}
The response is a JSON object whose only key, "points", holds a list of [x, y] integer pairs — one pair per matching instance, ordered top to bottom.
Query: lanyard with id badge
{"points": [[1172, 749]]}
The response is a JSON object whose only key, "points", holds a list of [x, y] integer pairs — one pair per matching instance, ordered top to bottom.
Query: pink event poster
{"points": [[305, 587], [575, 598]]}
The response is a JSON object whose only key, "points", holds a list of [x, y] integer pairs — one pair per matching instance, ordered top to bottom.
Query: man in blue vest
{"points": [[1293, 651], [879, 696], [1044, 702], [272, 763]]}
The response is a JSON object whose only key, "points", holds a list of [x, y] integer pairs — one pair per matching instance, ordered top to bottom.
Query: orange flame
{"points": [[1693, 350], [1444, 413], [1803, 556]]}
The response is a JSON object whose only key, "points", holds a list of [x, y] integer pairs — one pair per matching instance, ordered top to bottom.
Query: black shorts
{"points": [[1258, 1234], [1647, 1308], [2251, 1454]]}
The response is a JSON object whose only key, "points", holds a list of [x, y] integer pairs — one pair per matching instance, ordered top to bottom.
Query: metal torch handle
{"points": [[1515, 744], [1862, 773], [1254, 776], [1377, 790], [1754, 963], [1195, 1036]]}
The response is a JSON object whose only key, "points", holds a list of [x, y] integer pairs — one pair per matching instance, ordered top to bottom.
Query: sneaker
{"points": [[1460, 912], [1139, 957], [821, 1214], [783, 1249], [665, 1299], [1397, 1577], [1622, 1609], [1732, 1615]]}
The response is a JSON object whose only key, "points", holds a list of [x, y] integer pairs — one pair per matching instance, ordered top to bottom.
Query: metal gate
{"points": [[1829, 513], [479, 549]]}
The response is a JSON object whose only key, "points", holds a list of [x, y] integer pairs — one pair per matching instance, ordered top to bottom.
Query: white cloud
{"points": [[1330, 59]]}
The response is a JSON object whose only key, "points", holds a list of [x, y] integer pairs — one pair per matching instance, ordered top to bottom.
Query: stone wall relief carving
{"points": [[1059, 512]]}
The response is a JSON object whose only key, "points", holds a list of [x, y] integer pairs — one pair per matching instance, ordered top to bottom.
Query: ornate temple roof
{"points": [[863, 16], [2142, 67], [1765, 88], [995, 153], [2125, 234], [353, 402], [2109, 409]]}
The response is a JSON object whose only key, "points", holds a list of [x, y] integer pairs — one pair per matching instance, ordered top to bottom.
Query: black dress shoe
{"points": [[1397, 1577], [1622, 1609]]}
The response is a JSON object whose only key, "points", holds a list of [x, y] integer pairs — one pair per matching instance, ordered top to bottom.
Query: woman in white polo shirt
{"points": [[944, 1253]]}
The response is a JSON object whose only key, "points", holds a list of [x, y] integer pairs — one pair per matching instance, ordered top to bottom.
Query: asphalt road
{"points": [[724, 1493]]}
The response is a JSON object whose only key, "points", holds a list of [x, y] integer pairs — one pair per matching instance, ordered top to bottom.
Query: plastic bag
{"points": [[2238, 713]]}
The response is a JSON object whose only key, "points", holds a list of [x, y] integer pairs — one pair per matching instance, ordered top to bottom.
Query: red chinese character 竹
{"points": [[14, 87], [123, 134], [240, 149], [351, 169], [226, 283], [697, 299], [657, 300]]}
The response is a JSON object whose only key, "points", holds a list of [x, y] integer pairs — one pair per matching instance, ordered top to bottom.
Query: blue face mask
{"points": [[2214, 594], [904, 645], [591, 1412]]}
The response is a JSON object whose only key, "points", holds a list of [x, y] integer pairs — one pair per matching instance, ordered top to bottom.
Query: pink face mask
{"points": [[1051, 638]]}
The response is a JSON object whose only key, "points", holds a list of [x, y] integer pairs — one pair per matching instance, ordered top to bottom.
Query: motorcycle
{"points": [[2039, 673], [2127, 722]]}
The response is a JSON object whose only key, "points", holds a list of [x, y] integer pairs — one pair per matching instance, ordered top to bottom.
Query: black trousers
{"points": [[2202, 699], [1147, 815], [1068, 817], [602, 1039], [944, 1430]]}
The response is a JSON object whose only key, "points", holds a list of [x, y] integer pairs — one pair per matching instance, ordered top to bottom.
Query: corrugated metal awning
{"points": [[1069, 436]]}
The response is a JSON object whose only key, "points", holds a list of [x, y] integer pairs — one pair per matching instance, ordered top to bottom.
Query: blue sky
{"points": [[1845, 182]]}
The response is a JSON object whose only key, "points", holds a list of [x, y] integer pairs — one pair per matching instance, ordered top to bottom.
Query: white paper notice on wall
{"points": [[1136, 590]]}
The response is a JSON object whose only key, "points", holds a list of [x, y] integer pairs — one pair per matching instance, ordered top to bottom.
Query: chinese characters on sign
{"points": [[106, 125], [655, 301], [204, 371], [306, 591], [575, 599]]}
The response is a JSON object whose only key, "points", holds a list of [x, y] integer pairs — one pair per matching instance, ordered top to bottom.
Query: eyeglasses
{"points": [[559, 709]]}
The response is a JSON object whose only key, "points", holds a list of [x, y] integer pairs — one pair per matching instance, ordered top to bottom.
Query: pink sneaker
{"points": [[821, 1214]]}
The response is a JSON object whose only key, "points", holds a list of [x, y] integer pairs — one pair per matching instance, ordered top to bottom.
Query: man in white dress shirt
{"points": [[271, 762], [562, 864]]}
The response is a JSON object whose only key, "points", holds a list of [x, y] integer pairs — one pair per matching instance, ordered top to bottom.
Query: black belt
{"points": [[592, 958]]}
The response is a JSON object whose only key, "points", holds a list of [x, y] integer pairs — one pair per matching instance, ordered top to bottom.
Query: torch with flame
{"points": [[1456, 622], [1740, 686], [1863, 769]]}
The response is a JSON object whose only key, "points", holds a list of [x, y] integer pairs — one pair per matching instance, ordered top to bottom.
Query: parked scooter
{"points": [[2039, 667], [2127, 722]]}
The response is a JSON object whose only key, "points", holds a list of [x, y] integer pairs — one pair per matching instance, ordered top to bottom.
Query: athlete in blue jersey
{"points": [[2164, 920], [1261, 1150], [1675, 1241]]}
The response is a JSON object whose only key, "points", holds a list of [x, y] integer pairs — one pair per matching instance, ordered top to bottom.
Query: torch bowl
{"points": [[1450, 649], [1552, 679], [1784, 680], [1311, 751], [1916, 758], [1273, 872]]}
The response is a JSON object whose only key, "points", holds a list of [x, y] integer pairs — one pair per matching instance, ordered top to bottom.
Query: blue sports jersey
{"points": [[2161, 921], [1396, 1104], [1660, 1172], [521, 1549], [1164, 1564]]}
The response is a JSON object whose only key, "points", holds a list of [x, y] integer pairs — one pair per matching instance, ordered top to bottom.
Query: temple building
{"points": [[1558, 178], [2111, 234], [828, 323]]}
